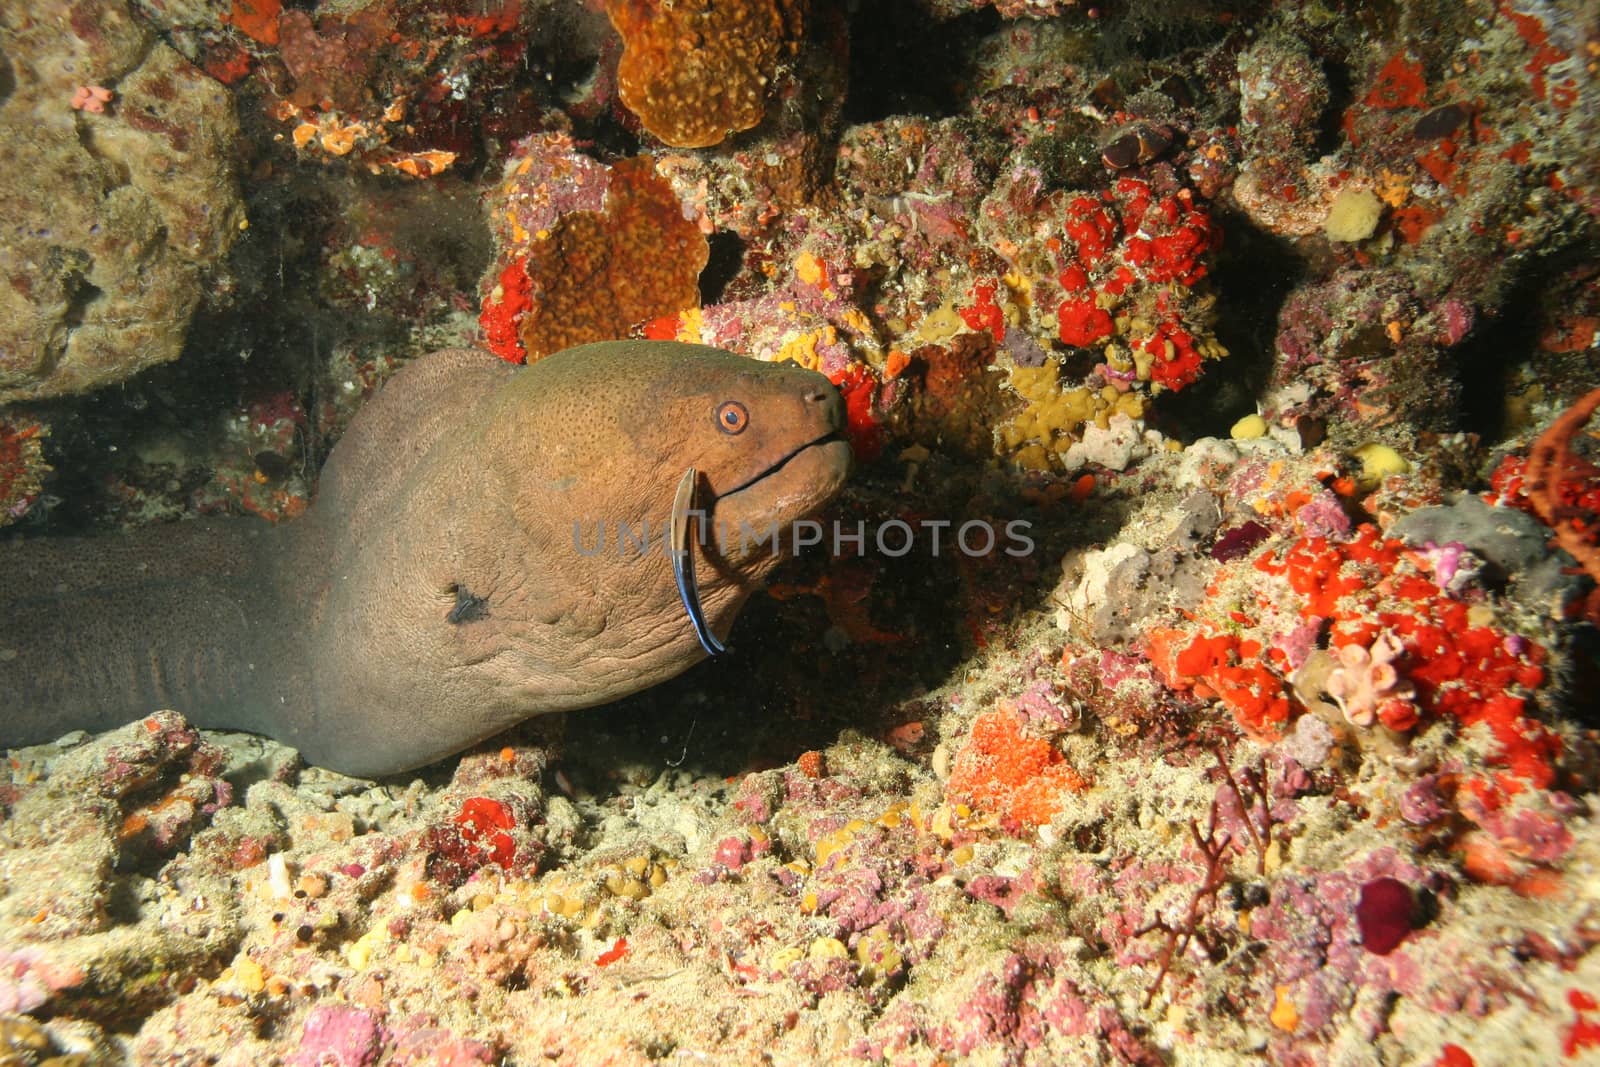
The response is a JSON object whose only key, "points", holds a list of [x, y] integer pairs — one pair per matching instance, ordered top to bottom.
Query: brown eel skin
{"points": [[448, 581]]}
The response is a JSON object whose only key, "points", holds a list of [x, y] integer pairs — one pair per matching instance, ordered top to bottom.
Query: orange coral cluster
{"points": [[256, 19], [695, 71], [596, 275], [1222, 666], [1002, 771]]}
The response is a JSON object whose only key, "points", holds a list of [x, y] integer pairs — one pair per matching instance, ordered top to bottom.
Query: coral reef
{"points": [[1256, 336]]}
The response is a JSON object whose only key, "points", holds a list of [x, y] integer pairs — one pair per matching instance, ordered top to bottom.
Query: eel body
{"points": [[474, 557]]}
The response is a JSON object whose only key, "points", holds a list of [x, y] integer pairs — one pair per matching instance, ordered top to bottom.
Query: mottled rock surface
{"points": [[116, 219]]}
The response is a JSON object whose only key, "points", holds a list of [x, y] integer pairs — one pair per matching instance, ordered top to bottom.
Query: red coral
{"points": [[256, 19], [1545, 55], [1400, 84], [1091, 228], [1130, 239], [503, 310], [984, 314], [1083, 322], [1176, 363], [859, 389], [1370, 584], [1358, 589], [1224, 667], [484, 823], [479, 834], [1584, 1033]]}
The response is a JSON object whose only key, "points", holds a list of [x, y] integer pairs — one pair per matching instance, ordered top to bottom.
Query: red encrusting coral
{"points": [[256, 19], [1400, 84], [1123, 250], [503, 311], [984, 314], [1083, 322], [862, 427], [1360, 588], [1225, 667], [1461, 670], [1007, 773], [484, 823], [478, 834], [1584, 1032]]}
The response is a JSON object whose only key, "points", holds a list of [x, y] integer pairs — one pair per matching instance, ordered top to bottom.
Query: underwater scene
{"points": [[888, 532]]}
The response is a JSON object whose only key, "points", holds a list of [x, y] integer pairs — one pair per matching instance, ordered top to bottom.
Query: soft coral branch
{"points": [[1548, 464], [1214, 850]]}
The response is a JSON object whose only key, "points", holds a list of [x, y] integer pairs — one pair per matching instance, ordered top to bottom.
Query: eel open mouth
{"points": [[796, 488]]}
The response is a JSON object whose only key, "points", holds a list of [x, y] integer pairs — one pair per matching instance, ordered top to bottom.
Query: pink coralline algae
{"points": [[1321, 941], [29, 977], [1021, 1004], [338, 1035]]}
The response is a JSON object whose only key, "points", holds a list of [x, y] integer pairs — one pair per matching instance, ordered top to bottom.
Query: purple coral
{"points": [[1384, 914]]}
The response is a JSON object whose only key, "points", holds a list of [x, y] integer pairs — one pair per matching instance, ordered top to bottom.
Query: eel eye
{"points": [[732, 417]]}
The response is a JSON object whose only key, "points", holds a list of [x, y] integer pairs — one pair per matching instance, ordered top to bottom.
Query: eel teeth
{"points": [[683, 563]]}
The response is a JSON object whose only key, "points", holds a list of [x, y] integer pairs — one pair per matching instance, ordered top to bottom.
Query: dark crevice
{"points": [[903, 63], [8, 78], [1341, 94], [724, 264], [1255, 273], [80, 294], [1485, 374]]}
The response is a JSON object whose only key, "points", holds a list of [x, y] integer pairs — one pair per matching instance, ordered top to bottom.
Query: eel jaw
{"points": [[792, 489], [789, 490], [683, 571]]}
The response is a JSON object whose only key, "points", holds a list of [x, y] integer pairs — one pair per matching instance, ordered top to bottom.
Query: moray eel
{"points": [[450, 580]]}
